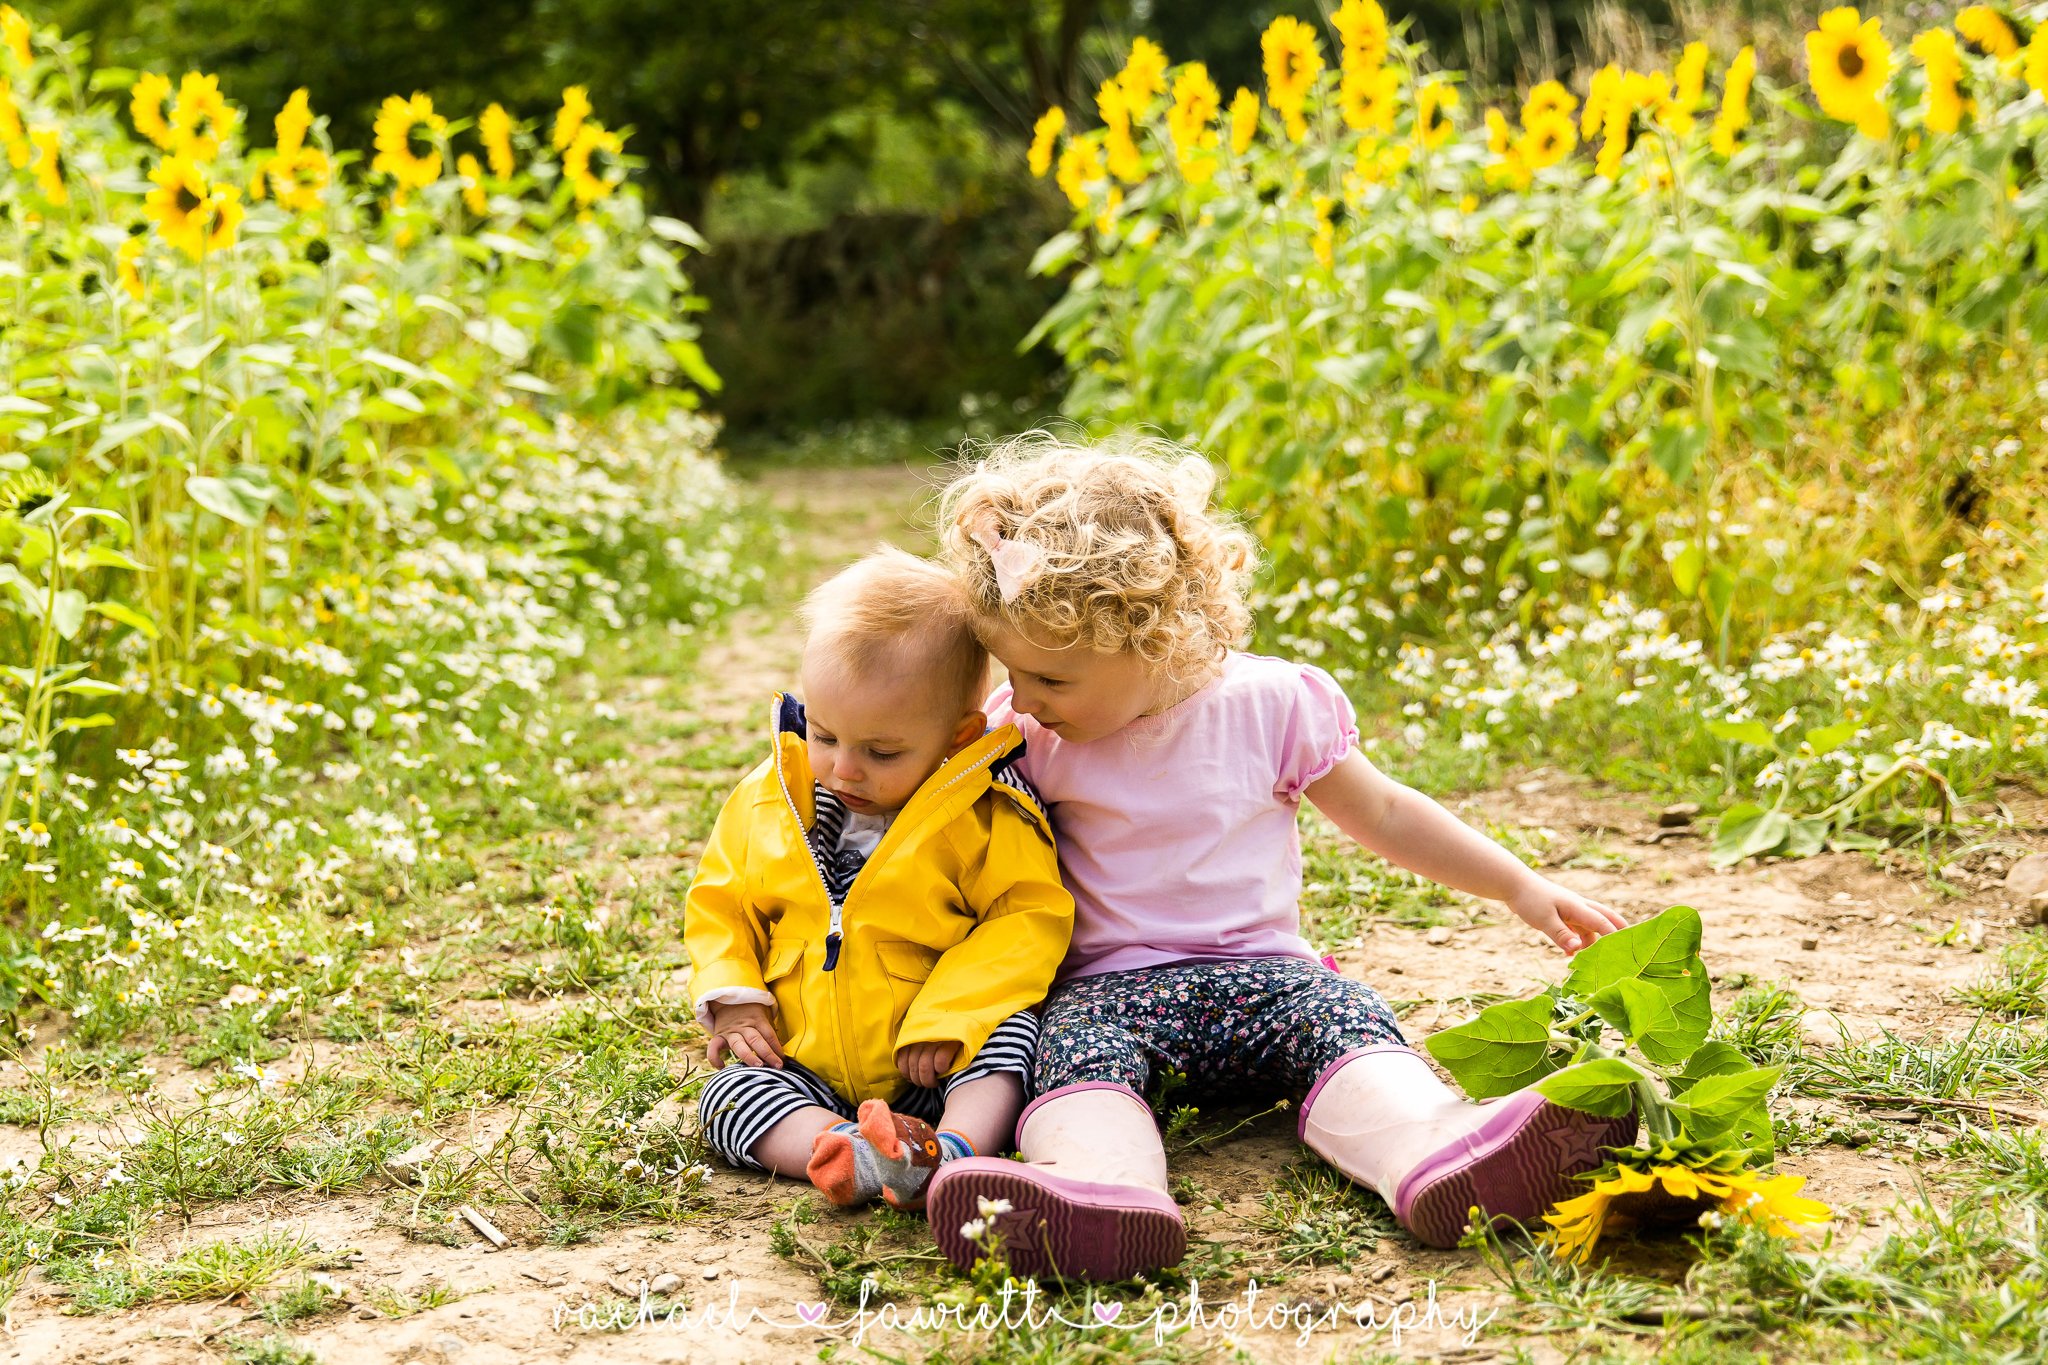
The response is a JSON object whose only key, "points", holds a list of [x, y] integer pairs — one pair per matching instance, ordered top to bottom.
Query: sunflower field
{"points": [[1687, 417], [316, 462]]}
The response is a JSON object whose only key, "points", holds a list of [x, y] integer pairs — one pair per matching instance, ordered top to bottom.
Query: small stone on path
{"points": [[1672, 817], [1441, 934]]}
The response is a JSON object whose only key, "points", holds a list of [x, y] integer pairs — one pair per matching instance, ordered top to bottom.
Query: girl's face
{"points": [[1080, 694]]}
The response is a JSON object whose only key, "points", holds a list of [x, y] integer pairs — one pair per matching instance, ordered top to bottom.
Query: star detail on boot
{"points": [[1577, 1145]]}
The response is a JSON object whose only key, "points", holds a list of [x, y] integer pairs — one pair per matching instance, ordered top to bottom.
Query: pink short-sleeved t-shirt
{"points": [[1177, 834]]}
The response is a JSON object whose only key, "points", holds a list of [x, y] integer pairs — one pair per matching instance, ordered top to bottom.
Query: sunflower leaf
{"points": [[1499, 1052]]}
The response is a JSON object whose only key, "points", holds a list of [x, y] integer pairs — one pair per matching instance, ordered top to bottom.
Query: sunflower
{"points": [[1362, 25], [1988, 31], [14, 35], [1937, 52], [1293, 59], [2037, 59], [1848, 61], [1144, 74], [1689, 81], [1604, 89], [1367, 96], [1547, 98], [1434, 101], [149, 102], [1734, 114], [201, 118], [569, 118], [1244, 121], [292, 122], [1192, 122], [494, 126], [11, 132], [405, 132], [1043, 134], [1499, 137], [1616, 137], [1548, 140], [1125, 161], [1379, 162], [49, 165], [1080, 167], [471, 172], [299, 180], [591, 184], [192, 216], [1105, 221], [1324, 240], [128, 265], [1673, 1186]]}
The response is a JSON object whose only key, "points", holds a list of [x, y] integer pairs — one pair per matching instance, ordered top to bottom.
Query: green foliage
{"points": [[1648, 985]]}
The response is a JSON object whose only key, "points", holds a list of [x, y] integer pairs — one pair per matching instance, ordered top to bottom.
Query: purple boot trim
{"points": [[1078, 1086], [1301, 1124], [1517, 1164], [1055, 1226]]}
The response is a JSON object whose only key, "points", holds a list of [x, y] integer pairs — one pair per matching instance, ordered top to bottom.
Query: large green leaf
{"points": [[1665, 945], [1502, 1050], [1602, 1086]]}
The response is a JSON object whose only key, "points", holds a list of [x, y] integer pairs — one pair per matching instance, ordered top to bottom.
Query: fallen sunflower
{"points": [[1671, 1186]]}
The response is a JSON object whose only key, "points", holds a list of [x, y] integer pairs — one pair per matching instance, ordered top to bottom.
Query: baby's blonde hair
{"points": [[1129, 554], [890, 614]]}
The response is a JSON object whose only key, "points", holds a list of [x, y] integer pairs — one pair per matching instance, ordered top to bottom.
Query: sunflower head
{"points": [[1362, 25], [1988, 31], [16, 37], [1293, 59], [1848, 62], [1144, 73], [1550, 97], [1434, 100], [149, 105], [201, 118], [569, 118], [293, 121], [1244, 121], [494, 126], [407, 134], [1043, 134], [1548, 140], [592, 163], [25, 493]]}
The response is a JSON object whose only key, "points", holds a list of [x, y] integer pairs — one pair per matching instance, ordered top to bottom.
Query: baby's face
{"points": [[874, 742]]}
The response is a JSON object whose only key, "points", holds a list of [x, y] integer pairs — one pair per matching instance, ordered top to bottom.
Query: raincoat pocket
{"points": [[785, 982]]}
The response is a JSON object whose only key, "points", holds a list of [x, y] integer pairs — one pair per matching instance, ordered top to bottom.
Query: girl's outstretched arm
{"points": [[1407, 828]]}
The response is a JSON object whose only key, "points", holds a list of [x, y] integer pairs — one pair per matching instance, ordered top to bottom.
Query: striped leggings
{"points": [[739, 1104]]}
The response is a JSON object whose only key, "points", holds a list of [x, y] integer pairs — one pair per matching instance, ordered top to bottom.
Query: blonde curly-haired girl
{"points": [[1174, 765]]}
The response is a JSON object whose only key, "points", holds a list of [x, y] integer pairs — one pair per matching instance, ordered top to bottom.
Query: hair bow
{"points": [[1017, 563]]}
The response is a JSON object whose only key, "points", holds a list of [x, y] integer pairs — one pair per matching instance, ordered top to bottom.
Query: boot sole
{"points": [[1517, 1165], [1057, 1227]]}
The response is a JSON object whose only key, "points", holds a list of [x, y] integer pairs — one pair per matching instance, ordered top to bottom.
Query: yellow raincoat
{"points": [[956, 922]]}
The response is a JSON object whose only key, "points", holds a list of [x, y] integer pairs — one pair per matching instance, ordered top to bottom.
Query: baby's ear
{"points": [[972, 726]]}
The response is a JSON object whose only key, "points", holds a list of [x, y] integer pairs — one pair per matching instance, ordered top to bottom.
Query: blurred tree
{"points": [[710, 86]]}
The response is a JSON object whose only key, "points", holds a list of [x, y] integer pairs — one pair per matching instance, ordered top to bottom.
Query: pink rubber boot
{"points": [[1381, 1116], [1088, 1201]]}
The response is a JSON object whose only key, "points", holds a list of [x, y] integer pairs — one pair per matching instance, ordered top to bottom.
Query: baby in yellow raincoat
{"points": [[879, 907]]}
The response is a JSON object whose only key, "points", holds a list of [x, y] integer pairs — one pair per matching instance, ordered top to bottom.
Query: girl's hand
{"points": [[1561, 914], [744, 1033], [924, 1063]]}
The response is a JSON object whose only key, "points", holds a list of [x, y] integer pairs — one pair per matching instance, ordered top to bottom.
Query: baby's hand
{"points": [[1561, 914], [744, 1032], [924, 1063]]}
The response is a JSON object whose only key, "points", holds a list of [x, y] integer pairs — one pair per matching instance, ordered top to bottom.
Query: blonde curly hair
{"points": [[1110, 547]]}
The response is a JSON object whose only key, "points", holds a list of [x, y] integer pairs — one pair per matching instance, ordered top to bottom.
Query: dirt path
{"points": [[1844, 934]]}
